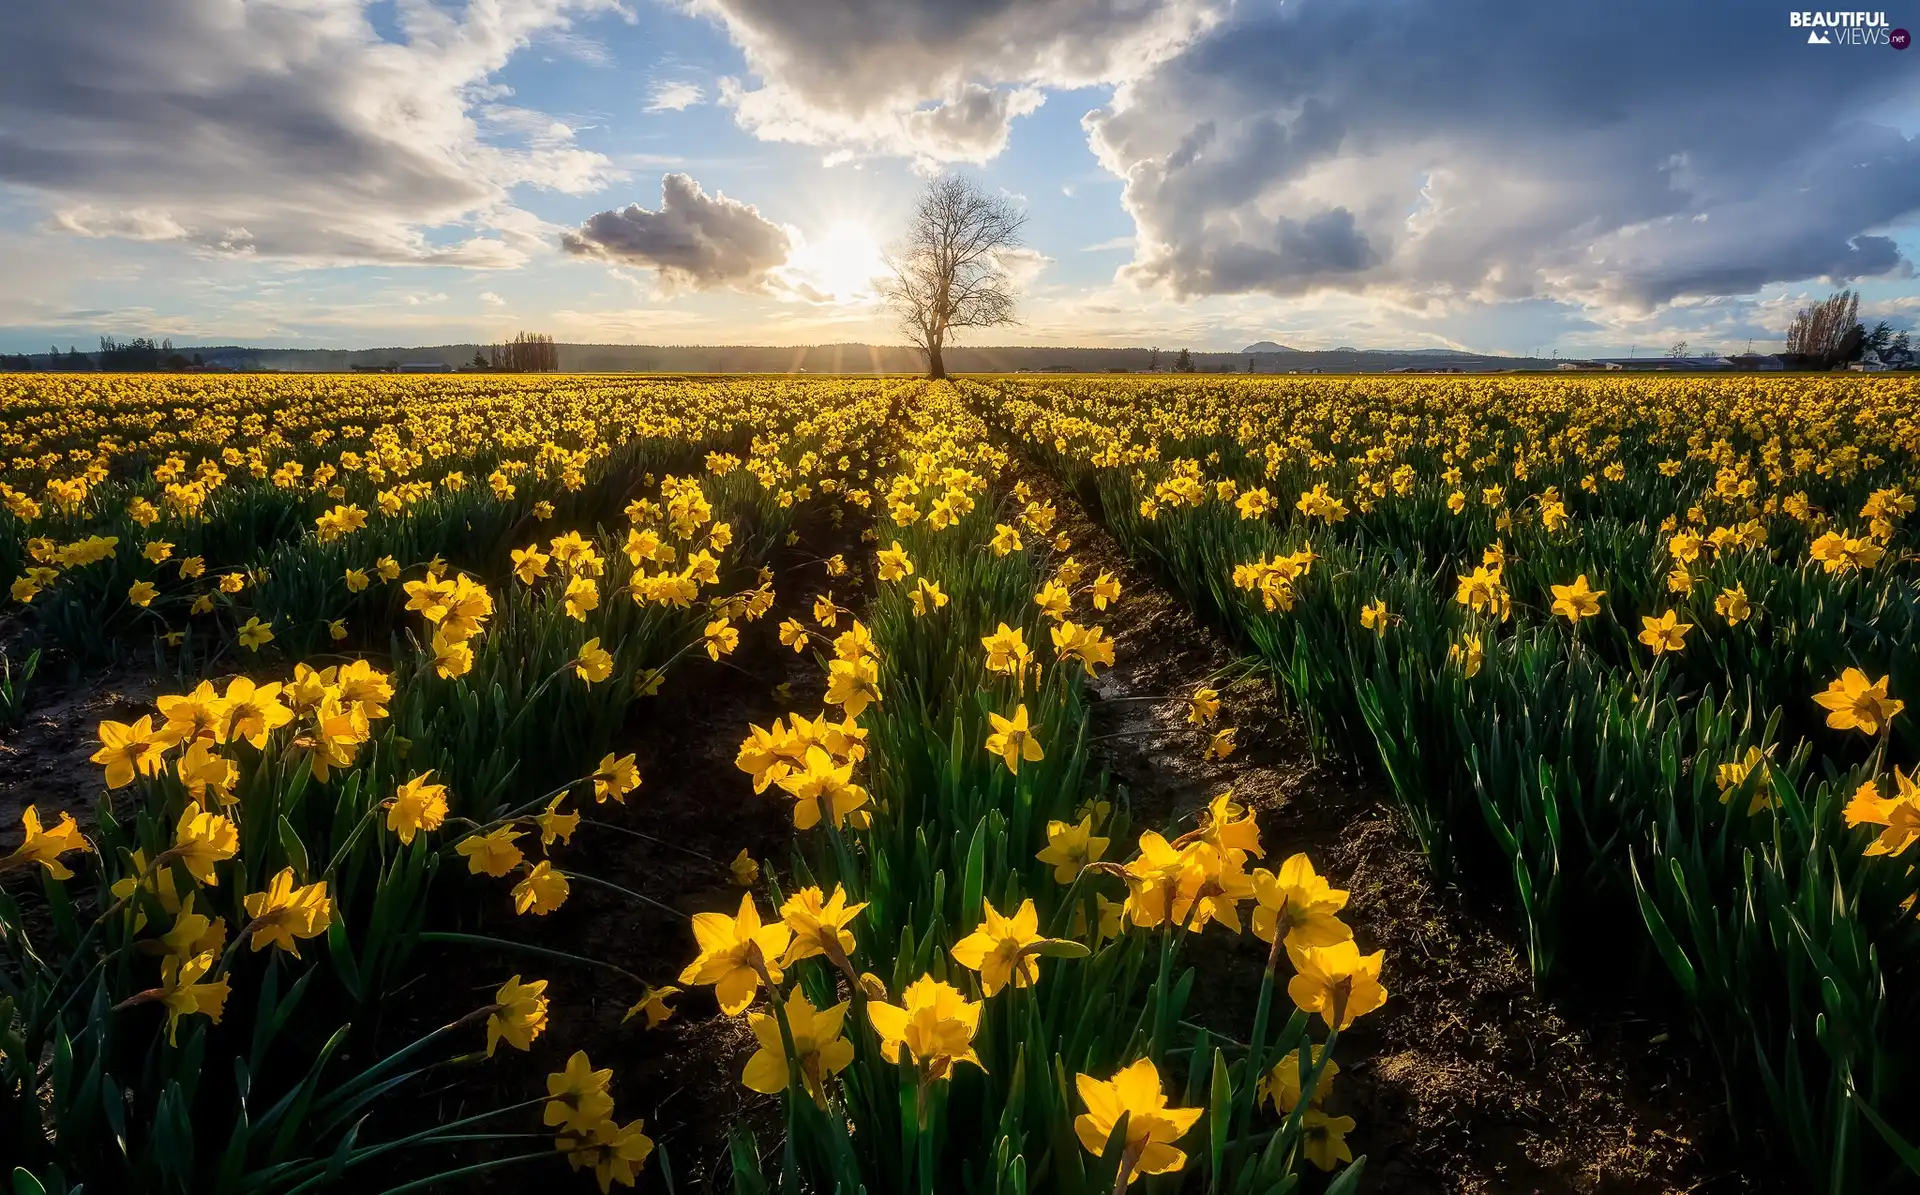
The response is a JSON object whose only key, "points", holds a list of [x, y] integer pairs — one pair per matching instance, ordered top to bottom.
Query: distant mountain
{"points": [[1268, 346]]}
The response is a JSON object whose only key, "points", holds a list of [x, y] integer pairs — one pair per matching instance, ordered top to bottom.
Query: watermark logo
{"points": [[1849, 29]]}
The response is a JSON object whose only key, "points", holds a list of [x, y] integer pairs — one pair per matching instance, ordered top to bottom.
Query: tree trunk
{"points": [[936, 367]]}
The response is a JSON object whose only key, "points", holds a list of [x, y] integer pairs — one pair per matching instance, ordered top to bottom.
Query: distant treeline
{"points": [[531, 352], [539, 353], [142, 354], [52, 359]]}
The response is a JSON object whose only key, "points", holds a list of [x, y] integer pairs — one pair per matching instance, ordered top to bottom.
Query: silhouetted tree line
{"points": [[529, 352], [140, 353], [72, 359]]}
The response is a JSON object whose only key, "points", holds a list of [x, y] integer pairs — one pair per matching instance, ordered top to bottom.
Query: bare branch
{"points": [[946, 273], [1828, 332]]}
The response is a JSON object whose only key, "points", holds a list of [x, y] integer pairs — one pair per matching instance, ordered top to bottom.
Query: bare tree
{"points": [[948, 272], [1828, 332], [528, 352]]}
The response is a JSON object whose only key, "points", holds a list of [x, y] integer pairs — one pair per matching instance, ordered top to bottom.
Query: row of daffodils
{"points": [[1634, 652], [203, 978], [972, 984]]}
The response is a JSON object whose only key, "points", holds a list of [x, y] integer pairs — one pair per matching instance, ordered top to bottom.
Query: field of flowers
{"points": [[1634, 653], [1628, 655]]}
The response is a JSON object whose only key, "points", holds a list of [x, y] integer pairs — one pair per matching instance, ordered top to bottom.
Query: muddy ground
{"points": [[45, 760], [696, 812], [672, 841]]}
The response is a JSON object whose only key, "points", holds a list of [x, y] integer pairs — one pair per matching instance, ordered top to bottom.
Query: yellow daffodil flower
{"points": [[737, 954], [1152, 1127]]}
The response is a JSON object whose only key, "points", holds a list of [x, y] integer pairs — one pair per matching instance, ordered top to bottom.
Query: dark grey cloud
{"points": [[935, 79], [285, 128], [1626, 153], [696, 240]]}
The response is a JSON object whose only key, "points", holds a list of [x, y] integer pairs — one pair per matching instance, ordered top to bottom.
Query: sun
{"points": [[842, 262]]}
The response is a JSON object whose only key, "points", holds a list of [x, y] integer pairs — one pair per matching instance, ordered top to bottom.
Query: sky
{"points": [[1586, 177]]}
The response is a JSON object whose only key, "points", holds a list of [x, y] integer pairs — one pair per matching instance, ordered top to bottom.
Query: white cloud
{"points": [[582, 49], [937, 80], [674, 96], [290, 120], [970, 124], [540, 130], [133, 224], [695, 240], [1023, 264], [491, 299]]}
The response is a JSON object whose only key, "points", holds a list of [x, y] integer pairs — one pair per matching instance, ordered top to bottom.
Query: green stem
{"points": [[532, 698], [596, 823], [353, 836], [448, 848], [627, 892], [1062, 919], [526, 948], [1162, 1006], [1257, 1044], [392, 1061], [795, 1075], [1310, 1082], [424, 1136], [924, 1142], [421, 1184]]}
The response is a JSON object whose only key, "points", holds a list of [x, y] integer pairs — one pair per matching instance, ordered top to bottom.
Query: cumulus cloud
{"points": [[939, 80], [674, 96], [291, 121], [969, 124], [1626, 154], [133, 224], [695, 240], [1022, 264]]}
